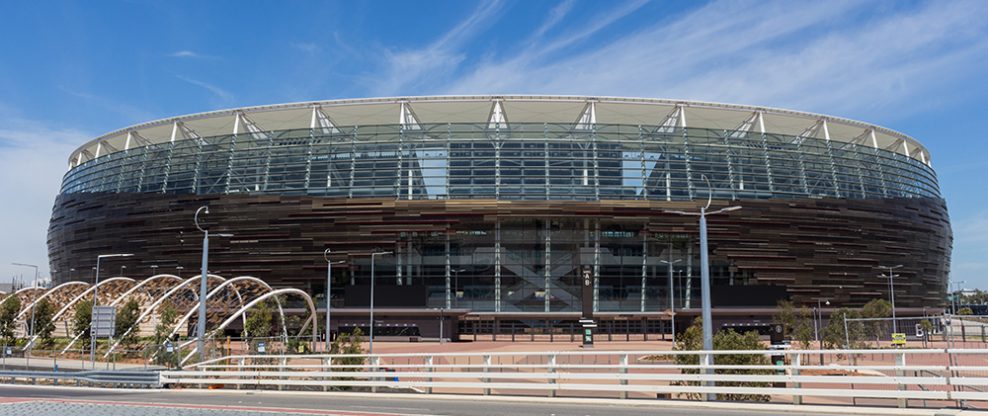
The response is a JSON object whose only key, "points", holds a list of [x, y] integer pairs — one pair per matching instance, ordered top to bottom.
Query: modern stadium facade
{"points": [[497, 209]]}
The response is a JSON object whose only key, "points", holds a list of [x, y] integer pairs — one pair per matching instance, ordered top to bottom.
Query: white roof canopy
{"points": [[513, 108]]}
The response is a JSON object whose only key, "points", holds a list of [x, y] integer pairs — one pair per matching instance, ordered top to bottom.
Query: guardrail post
{"points": [[706, 360], [797, 361], [375, 362], [900, 362], [327, 365], [487, 365], [429, 368], [240, 369], [281, 369], [552, 370], [624, 370]]}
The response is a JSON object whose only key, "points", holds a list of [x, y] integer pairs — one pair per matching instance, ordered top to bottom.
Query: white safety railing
{"points": [[920, 377]]}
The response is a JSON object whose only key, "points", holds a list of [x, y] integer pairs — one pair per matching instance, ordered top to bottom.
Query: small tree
{"points": [[878, 309], [8, 311], [44, 311], [965, 311], [167, 315], [126, 319], [82, 322], [796, 323], [258, 324], [927, 329], [804, 331], [834, 335], [692, 340]]}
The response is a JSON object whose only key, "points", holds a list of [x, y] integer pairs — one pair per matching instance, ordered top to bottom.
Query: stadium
{"points": [[490, 212]]}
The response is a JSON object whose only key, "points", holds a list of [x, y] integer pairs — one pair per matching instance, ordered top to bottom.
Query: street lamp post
{"points": [[122, 268], [154, 269], [203, 278], [329, 287], [672, 292], [92, 310], [895, 327], [708, 329], [371, 336], [708, 336]]}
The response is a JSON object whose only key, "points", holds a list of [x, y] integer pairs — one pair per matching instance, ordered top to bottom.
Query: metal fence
{"points": [[907, 377]]}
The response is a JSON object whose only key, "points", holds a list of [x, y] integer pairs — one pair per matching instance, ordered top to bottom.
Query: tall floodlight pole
{"points": [[203, 279], [329, 287], [672, 292], [92, 310], [895, 327], [708, 329], [30, 331], [371, 336], [708, 336]]}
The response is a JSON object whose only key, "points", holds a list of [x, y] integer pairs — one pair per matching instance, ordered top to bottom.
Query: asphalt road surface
{"points": [[70, 401]]}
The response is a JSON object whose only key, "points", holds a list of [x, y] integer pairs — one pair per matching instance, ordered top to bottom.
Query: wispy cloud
{"points": [[306, 47], [189, 54], [820, 56], [415, 69], [224, 96], [124, 109], [28, 170]]}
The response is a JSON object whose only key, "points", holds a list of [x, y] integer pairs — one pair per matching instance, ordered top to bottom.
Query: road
{"points": [[61, 401]]}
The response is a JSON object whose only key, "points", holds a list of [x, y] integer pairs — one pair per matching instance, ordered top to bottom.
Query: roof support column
{"points": [[233, 145], [830, 155], [545, 157], [353, 160], [768, 160], [879, 163], [548, 262], [497, 264]]}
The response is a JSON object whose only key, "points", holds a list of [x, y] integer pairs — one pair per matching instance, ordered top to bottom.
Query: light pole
{"points": [[122, 268], [154, 269], [178, 270], [203, 278], [329, 287], [672, 292], [956, 294], [372, 299], [92, 310], [895, 327], [30, 331], [708, 336]]}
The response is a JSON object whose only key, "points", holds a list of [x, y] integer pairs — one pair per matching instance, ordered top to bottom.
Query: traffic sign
{"points": [[104, 321], [898, 339]]}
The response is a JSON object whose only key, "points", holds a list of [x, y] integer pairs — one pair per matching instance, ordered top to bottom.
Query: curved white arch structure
{"points": [[143, 283], [216, 290], [86, 293], [44, 295], [308, 299], [154, 306], [58, 315], [181, 322]]}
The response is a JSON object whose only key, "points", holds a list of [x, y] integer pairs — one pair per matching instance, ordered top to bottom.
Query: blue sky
{"points": [[73, 70]]}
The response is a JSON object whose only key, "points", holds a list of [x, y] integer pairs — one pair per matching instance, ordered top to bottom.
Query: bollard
{"points": [[797, 361], [900, 361], [428, 362], [487, 364], [552, 369], [624, 370]]}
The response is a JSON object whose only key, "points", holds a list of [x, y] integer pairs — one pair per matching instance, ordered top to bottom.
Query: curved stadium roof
{"points": [[511, 108]]}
